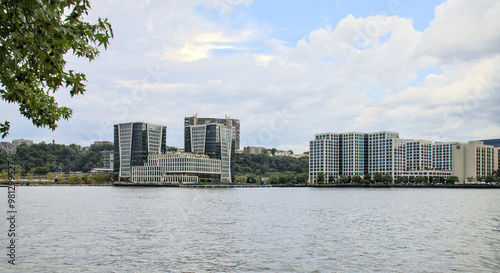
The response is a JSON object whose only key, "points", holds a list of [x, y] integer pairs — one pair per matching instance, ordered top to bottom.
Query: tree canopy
{"points": [[34, 37], [43, 158]]}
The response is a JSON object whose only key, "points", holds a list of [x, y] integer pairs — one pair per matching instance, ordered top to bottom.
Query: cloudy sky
{"points": [[288, 70]]}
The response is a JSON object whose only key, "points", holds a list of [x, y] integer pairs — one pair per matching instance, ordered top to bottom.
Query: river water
{"points": [[131, 229]]}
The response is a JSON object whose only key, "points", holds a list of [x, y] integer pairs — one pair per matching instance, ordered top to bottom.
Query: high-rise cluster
{"points": [[140, 152]]}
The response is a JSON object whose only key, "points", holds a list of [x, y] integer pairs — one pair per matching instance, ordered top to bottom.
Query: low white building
{"points": [[177, 168]]}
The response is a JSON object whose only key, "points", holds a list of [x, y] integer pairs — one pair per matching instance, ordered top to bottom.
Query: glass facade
{"points": [[235, 123], [215, 140], [134, 142]]}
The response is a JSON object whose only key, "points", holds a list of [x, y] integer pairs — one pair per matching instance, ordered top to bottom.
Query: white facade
{"points": [[381, 152], [353, 153], [418, 155], [442, 155], [324, 156], [473, 160], [176, 168]]}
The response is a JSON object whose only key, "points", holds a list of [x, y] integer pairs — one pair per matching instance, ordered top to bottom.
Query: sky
{"points": [[288, 70]]}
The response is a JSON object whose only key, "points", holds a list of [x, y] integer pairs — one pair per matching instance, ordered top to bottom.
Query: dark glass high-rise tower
{"points": [[195, 120], [215, 140], [133, 142]]}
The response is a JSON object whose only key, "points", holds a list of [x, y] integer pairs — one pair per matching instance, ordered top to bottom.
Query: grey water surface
{"points": [[132, 229]]}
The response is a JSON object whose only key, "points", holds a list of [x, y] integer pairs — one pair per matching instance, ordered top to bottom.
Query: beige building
{"points": [[253, 150], [473, 160]]}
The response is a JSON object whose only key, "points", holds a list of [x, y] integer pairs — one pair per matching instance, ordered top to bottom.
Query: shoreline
{"points": [[221, 185], [227, 185]]}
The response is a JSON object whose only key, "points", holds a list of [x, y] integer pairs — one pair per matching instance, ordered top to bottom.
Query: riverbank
{"points": [[58, 184], [223, 185]]}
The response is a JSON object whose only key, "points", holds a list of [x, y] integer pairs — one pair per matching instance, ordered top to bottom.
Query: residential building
{"points": [[195, 120], [215, 140], [18, 142], [103, 142], [133, 143], [381, 146], [7, 147], [10, 148], [253, 150], [280, 153], [354, 153], [300, 155], [418, 155], [442, 155], [108, 156], [324, 156], [239, 157], [474, 159], [178, 168]]}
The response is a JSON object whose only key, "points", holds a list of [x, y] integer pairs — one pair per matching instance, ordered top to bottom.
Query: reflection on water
{"points": [[114, 229]]}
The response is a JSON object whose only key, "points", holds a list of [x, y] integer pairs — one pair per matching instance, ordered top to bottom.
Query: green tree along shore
{"points": [[44, 158], [51, 159], [266, 169]]}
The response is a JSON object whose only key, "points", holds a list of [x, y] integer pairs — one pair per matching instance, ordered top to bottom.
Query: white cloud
{"points": [[463, 30]]}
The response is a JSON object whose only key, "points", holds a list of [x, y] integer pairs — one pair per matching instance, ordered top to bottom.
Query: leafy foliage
{"points": [[34, 37], [44, 158], [277, 170]]}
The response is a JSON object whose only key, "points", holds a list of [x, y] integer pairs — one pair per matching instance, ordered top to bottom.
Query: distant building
{"points": [[195, 120], [215, 140], [18, 142], [493, 142], [103, 143], [133, 143], [7, 147], [10, 148], [253, 150], [274, 152], [299, 155], [108, 156], [239, 158], [474, 159], [178, 168]]}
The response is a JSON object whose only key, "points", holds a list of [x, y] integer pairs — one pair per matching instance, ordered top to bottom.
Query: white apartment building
{"points": [[381, 147], [356, 153], [418, 155], [442, 155], [324, 156], [354, 157], [474, 159]]}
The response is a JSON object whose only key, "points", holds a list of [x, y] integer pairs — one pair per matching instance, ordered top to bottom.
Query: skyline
{"points": [[289, 70]]}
